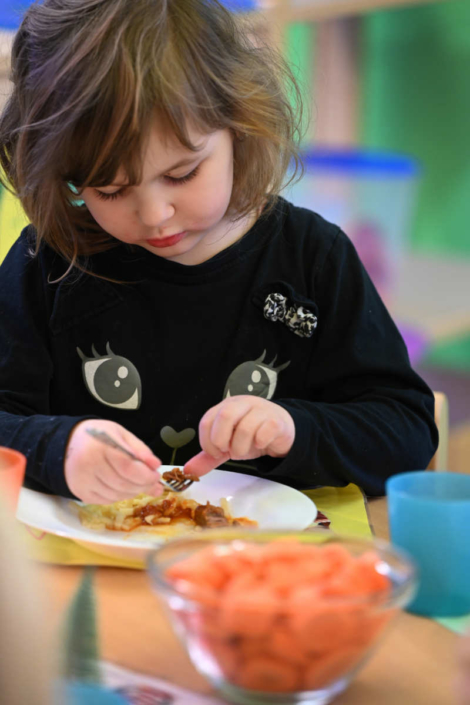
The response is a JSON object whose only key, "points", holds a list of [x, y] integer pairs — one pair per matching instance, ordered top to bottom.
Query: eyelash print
{"points": [[173, 180]]}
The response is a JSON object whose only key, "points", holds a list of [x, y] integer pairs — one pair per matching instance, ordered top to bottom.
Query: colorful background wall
{"points": [[416, 99]]}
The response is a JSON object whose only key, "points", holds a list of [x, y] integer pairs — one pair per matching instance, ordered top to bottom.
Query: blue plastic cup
{"points": [[429, 517]]}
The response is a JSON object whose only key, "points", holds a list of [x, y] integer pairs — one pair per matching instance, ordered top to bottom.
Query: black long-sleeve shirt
{"points": [[287, 313]]}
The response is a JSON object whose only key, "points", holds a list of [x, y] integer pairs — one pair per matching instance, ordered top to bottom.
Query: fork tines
{"points": [[178, 485]]}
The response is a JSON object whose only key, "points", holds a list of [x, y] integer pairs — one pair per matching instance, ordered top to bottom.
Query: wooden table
{"points": [[413, 666]]}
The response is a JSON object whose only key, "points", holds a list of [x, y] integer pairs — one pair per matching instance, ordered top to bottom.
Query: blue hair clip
{"points": [[75, 201]]}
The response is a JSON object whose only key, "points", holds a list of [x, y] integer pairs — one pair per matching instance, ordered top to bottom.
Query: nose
{"points": [[155, 210]]}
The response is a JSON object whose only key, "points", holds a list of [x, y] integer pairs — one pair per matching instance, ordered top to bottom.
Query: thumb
{"points": [[203, 463]]}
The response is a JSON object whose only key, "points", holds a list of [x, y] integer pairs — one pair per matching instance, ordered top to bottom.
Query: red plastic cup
{"points": [[12, 470]]}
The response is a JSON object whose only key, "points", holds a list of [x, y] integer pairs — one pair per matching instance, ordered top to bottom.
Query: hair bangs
{"points": [[93, 78]]}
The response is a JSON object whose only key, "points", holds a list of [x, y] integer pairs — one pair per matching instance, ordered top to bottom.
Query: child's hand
{"points": [[242, 427], [98, 474]]}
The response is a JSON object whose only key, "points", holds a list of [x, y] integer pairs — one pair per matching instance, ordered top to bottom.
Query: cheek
{"points": [[210, 201], [207, 211], [111, 216]]}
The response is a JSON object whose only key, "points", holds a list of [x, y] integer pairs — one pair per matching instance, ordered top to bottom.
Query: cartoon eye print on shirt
{"points": [[254, 377], [113, 380]]}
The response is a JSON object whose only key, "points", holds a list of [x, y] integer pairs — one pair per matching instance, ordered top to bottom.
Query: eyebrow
{"points": [[182, 162]]}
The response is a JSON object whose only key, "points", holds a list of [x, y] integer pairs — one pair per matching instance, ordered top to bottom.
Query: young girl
{"points": [[165, 292]]}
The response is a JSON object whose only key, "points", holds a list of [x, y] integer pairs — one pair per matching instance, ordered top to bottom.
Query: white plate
{"points": [[272, 505]]}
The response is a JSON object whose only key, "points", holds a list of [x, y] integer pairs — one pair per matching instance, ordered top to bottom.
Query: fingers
{"points": [[217, 426], [221, 427], [244, 427], [239, 429], [267, 433], [253, 434], [203, 463], [129, 473], [102, 475], [121, 477], [111, 486], [109, 493], [95, 498]]}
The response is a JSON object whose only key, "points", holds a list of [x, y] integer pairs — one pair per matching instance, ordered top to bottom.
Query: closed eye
{"points": [[182, 179], [173, 180], [110, 196]]}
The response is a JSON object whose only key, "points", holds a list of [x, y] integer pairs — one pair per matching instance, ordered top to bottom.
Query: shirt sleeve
{"points": [[26, 370], [370, 415]]}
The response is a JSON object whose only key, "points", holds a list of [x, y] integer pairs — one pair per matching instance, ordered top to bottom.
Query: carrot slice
{"points": [[200, 568], [248, 613], [323, 626], [284, 644], [250, 647], [327, 668], [268, 675]]}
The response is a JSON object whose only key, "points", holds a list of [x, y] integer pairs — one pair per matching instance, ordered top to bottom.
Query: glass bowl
{"points": [[294, 632]]}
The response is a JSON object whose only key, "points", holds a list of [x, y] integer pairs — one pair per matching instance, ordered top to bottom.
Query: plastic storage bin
{"points": [[371, 196]]}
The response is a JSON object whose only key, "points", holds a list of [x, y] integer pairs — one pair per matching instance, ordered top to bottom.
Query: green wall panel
{"points": [[300, 49], [416, 99]]}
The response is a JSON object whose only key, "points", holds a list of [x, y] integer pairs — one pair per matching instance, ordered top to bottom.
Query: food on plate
{"points": [[178, 475], [169, 513], [285, 615]]}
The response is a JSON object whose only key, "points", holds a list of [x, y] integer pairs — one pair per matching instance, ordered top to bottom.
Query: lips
{"points": [[166, 241]]}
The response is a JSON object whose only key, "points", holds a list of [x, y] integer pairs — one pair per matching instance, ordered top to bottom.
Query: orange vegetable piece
{"points": [[336, 556], [235, 563], [200, 568], [280, 577], [358, 579], [249, 613], [323, 626], [284, 644], [250, 647], [325, 669], [268, 675]]}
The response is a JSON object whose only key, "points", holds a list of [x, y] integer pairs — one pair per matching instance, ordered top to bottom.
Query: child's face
{"points": [[178, 210]]}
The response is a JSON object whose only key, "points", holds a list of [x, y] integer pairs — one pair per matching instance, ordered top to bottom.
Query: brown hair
{"points": [[91, 76]]}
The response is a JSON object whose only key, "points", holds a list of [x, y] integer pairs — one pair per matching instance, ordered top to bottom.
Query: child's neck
{"points": [[227, 234]]}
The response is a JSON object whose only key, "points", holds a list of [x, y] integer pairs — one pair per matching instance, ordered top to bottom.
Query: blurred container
{"points": [[371, 196], [12, 471], [429, 516], [273, 635]]}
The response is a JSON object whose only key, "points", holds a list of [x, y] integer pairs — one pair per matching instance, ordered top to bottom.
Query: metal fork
{"points": [[106, 439]]}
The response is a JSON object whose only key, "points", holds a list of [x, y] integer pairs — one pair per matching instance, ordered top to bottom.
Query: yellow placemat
{"points": [[345, 507], [49, 548]]}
